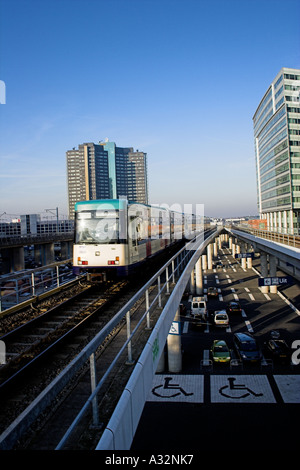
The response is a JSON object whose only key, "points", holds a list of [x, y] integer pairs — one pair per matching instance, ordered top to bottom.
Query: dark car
{"points": [[212, 292], [233, 307], [246, 347], [278, 350]]}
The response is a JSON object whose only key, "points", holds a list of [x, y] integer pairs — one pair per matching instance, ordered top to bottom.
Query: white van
{"points": [[198, 308]]}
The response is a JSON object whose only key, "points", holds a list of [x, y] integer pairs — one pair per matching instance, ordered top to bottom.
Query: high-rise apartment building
{"points": [[277, 148], [105, 171], [137, 177]]}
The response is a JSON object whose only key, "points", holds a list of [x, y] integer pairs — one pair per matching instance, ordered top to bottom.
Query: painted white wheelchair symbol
{"points": [[168, 386], [239, 387]]}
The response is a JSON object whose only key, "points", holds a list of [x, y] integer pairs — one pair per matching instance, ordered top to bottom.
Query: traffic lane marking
{"points": [[287, 301], [185, 327], [289, 387], [177, 388], [241, 389]]}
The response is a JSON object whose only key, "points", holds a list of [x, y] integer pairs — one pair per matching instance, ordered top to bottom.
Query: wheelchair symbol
{"points": [[168, 386], [233, 386]]}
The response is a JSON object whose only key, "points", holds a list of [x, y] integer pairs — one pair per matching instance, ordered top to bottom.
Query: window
{"points": [[95, 227]]}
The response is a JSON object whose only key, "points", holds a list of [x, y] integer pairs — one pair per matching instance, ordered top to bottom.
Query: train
{"points": [[113, 237]]}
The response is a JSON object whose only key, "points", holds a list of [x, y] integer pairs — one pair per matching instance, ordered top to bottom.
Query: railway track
{"points": [[32, 341], [40, 349], [38, 362]]}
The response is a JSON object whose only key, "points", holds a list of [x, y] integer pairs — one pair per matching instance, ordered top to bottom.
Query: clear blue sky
{"points": [[178, 79]]}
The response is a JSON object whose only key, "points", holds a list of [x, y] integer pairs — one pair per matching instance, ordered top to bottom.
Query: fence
{"points": [[18, 288]]}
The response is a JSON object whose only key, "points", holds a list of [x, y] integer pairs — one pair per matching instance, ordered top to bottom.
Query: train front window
{"points": [[97, 227]]}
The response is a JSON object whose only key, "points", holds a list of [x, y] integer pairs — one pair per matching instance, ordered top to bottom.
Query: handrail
{"points": [[279, 237], [191, 255], [50, 280], [129, 408], [27, 417]]}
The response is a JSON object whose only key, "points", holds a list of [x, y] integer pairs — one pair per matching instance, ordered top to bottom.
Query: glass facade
{"points": [[276, 124]]}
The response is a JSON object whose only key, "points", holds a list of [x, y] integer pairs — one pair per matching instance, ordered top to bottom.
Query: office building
{"points": [[277, 149], [105, 171]]}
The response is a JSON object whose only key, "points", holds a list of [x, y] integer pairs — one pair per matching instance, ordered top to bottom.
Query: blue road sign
{"points": [[244, 255], [275, 281]]}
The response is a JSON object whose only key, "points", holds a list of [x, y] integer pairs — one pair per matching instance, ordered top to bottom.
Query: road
{"points": [[227, 407]]}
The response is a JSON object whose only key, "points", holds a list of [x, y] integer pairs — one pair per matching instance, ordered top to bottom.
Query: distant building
{"points": [[277, 148], [105, 171], [137, 189], [29, 224], [32, 224]]}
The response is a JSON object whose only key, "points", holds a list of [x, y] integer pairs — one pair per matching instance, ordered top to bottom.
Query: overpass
{"points": [[12, 249], [275, 253]]}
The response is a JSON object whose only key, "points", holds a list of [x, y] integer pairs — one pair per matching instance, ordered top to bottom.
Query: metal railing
{"points": [[279, 237], [170, 270], [24, 286], [121, 428]]}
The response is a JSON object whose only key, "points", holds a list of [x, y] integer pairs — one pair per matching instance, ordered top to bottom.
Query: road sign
{"points": [[244, 255], [275, 281], [175, 328]]}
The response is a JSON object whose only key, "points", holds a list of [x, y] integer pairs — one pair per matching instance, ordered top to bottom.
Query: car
{"points": [[212, 292], [233, 307], [198, 308], [198, 312], [221, 318], [274, 334], [246, 347], [278, 350], [220, 351]]}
